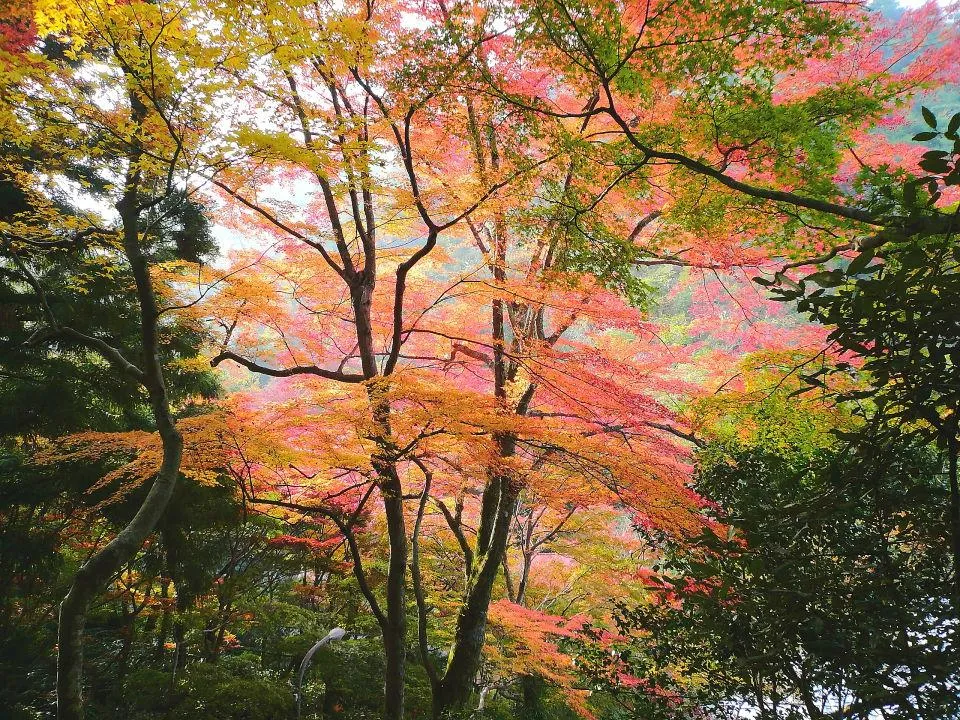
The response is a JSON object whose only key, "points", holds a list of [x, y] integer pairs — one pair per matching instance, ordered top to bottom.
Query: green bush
{"points": [[148, 693], [213, 693]]}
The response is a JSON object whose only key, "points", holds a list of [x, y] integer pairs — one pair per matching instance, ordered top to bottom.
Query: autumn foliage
{"points": [[492, 278]]}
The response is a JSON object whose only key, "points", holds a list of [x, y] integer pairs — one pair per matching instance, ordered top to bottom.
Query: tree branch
{"points": [[287, 372]]}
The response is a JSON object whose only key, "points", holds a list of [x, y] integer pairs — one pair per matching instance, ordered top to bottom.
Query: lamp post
{"points": [[335, 634]]}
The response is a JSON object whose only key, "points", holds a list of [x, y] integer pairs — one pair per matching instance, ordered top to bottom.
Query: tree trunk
{"points": [[953, 447], [97, 571], [93, 576], [524, 577], [164, 627], [395, 629], [128, 633], [455, 687], [531, 698]]}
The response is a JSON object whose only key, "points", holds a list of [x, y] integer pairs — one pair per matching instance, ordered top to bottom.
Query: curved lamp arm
{"points": [[335, 634]]}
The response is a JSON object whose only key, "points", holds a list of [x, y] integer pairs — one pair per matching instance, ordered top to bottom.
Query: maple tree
{"points": [[488, 289], [494, 419]]}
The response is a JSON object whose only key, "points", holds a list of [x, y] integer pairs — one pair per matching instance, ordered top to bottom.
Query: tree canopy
{"points": [[575, 358]]}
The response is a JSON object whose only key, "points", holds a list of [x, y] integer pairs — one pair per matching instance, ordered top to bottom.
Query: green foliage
{"points": [[180, 229], [584, 244], [591, 249], [893, 305], [47, 391], [826, 591], [217, 692]]}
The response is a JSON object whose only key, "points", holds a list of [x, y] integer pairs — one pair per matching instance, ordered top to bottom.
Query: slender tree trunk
{"points": [[953, 448], [172, 541], [97, 571], [93, 576], [524, 577], [508, 580], [394, 624], [164, 627], [395, 630], [128, 633], [455, 687], [531, 697]]}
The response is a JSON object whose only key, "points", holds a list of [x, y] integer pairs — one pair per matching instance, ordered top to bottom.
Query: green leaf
{"points": [[929, 117], [954, 124], [926, 135], [935, 165], [910, 194], [859, 262], [826, 278]]}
